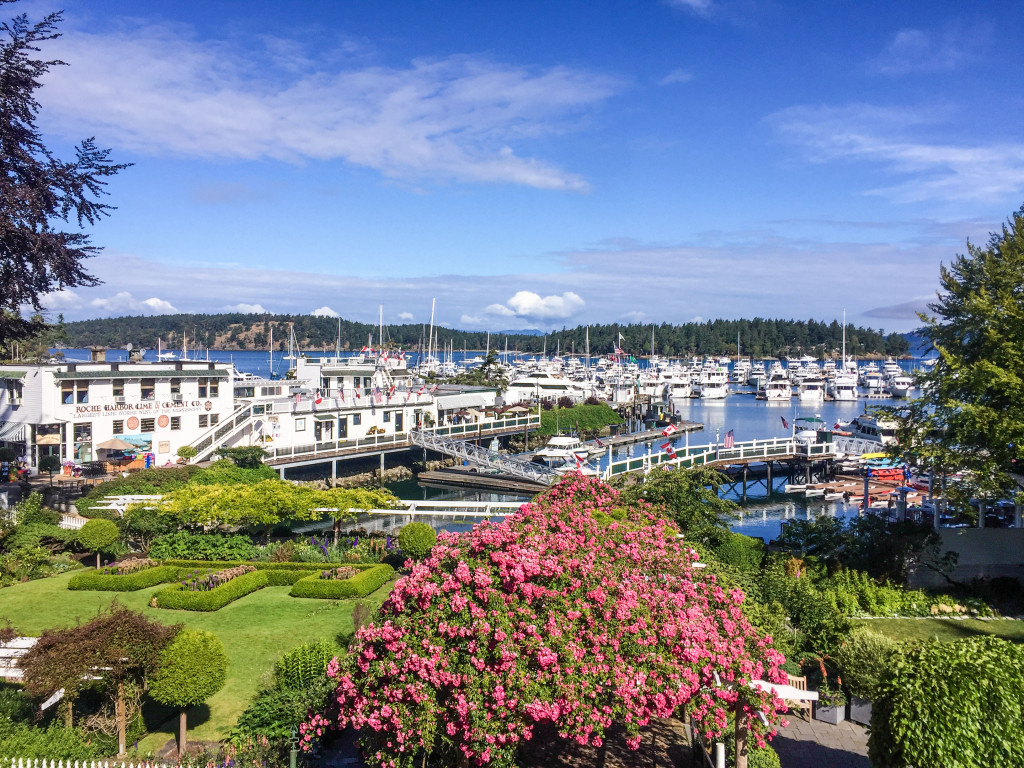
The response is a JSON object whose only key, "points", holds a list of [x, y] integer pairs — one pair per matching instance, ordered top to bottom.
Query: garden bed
{"points": [[370, 578], [131, 582]]}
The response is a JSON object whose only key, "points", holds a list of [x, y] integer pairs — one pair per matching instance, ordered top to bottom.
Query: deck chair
{"points": [[795, 706]]}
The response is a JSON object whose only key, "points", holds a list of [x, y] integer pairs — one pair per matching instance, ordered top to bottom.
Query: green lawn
{"points": [[947, 629], [255, 630]]}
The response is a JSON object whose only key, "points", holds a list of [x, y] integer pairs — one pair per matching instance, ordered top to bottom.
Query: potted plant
{"points": [[865, 660], [831, 705]]}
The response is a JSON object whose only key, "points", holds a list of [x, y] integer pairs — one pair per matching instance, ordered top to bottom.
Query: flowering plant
{"points": [[131, 565], [340, 574], [199, 581], [561, 614], [827, 696]]}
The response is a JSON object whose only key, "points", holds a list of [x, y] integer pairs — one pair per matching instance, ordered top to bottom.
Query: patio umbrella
{"points": [[115, 444]]}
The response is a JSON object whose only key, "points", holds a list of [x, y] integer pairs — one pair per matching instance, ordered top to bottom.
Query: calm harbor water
{"points": [[748, 419]]}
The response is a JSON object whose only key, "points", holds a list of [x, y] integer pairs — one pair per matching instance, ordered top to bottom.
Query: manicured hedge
{"points": [[220, 565], [282, 578], [110, 582], [360, 585], [181, 599]]}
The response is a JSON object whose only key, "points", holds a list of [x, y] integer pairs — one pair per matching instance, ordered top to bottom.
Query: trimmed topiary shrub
{"points": [[98, 535], [416, 540], [259, 566], [131, 582], [361, 585], [178, 598], [865, 661], [192, 668], [954, 704], [764, 758]]}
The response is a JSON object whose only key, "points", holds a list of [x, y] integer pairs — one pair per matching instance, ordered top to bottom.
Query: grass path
{"points": [[946, 629], [255, 630]]}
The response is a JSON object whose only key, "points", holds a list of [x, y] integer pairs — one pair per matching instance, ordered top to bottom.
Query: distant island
{"points": [[758, 337]]}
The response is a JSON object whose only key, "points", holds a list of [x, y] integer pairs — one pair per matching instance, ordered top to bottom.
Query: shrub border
{"points": [[129, 582], [360, 585], [177, 598]]}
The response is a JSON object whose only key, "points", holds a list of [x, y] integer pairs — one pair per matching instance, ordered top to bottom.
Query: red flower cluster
{"points": [[559, 613]]}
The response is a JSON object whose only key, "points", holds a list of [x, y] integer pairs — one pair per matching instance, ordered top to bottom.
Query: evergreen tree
{"points": [[39, 190]]}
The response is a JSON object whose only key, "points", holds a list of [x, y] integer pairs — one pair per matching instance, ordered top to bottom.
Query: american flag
{"points": [[785, 424], [730, 440]]}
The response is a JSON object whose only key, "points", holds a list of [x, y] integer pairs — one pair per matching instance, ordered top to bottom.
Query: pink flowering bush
{"points": [[559, 613]]}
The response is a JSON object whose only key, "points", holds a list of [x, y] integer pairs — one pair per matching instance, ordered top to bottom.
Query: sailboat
{"points": [[292, 344], [160, 354]]}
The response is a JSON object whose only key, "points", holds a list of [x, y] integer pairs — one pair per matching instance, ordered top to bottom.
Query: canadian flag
{"points": [[358, 396], [319, 398], [670, 430], [667, 448]]}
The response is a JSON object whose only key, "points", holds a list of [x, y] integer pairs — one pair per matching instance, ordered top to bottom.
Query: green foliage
{"points": [[970, 415], [585, 419], [186, 452], [245, 457], [49, 464], [226, 472], [146, 482], [687, 496], [142, 523], [99, 535], [416, 540], [185, 545], [743, 552], [284, 578], [132, 582], [361, 585], [175, 597], [865, 661], [304, 665], [192, 668], [956, 705], [15, 706], [50, 743], [763, 758]]}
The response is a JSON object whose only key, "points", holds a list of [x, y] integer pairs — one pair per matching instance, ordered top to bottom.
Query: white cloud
{"points": [[700, 7], [930, 51], [676, 76], [160, 90], [933, 171], [123, 303], [531, 306], [247, 309], [324, 312], [406, 316], [469, 322]]}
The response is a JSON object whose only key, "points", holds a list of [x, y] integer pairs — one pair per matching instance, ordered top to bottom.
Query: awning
{"points": [[8, 374], [456, 402], [325, 416], [13, 431], [115, 444]]}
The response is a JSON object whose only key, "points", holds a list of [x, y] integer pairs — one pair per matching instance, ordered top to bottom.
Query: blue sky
{"points": [[540, 164]]}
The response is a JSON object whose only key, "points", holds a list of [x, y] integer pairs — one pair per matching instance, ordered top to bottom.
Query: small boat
{"points": [[562, 449]]}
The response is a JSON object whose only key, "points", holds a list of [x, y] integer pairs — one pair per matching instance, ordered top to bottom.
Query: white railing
{"points": [[400, 439], [208, 444], [700, 455], [72, 522]]}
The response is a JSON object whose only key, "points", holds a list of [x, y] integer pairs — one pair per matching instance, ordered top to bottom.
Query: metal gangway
{"points": [[483, 458]]}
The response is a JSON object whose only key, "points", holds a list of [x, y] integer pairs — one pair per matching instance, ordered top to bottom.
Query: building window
{"points": [[118, 387], [175, 387], [214, 388], [149, 389], [204, 389], [14, 392], [72, 392], [83, 393], [387, 417], [214, 418], [357, 419], [204, 421], [175, 423], [148, 425], [300, 425], [118, 427], [342, 427], [83, 432]]}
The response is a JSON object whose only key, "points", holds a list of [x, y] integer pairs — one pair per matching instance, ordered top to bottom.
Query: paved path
{"points": [[814, 744]]}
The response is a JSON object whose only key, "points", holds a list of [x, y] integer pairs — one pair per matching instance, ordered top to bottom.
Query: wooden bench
{"points": [[796, 705]]}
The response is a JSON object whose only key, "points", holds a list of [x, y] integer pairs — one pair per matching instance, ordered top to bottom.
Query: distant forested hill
{"points": [[759, 337]]}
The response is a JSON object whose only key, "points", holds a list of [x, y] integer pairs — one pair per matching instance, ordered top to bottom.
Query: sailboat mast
{"points": [[430, 337], [844, 337], [337, 343], [270, 348]]}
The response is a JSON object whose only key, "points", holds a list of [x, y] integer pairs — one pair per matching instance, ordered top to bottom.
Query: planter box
{"points": [[860, 710], [833, 715]]}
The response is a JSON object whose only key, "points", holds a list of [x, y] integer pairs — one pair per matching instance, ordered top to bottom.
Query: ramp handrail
{"points": [[482, 457]]}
